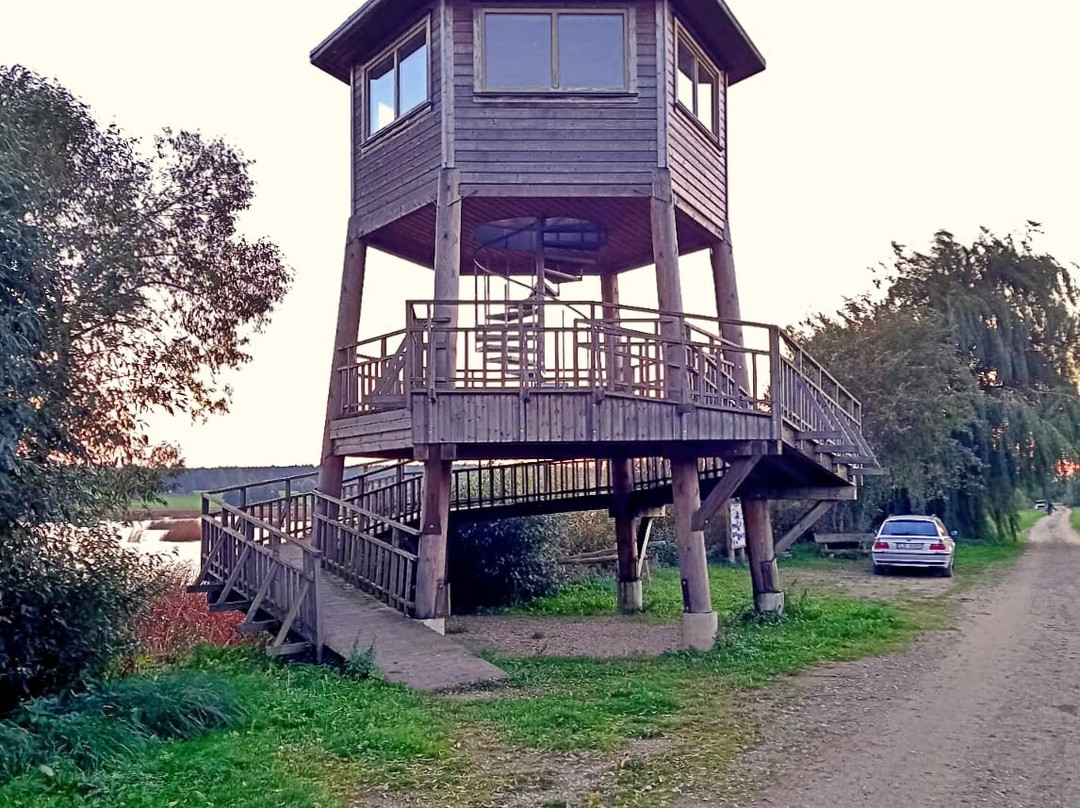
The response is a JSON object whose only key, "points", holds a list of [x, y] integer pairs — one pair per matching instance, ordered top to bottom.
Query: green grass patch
{"points": [[179, 502], [1074, 519], [311, 738]]}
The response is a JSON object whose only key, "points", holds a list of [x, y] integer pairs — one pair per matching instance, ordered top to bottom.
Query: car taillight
{"points": [[881, 545], [937, 546]]}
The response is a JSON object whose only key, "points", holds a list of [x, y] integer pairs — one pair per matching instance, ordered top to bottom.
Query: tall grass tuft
{"points": [[118, 719]]}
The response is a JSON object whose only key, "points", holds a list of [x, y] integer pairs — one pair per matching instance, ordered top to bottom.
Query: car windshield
{"points": [[909, 527]]}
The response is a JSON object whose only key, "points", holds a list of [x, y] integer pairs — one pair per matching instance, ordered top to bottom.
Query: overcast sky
{"points": [[874, 122]]}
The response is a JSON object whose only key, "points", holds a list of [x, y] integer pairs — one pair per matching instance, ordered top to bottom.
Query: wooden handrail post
{"points": [[776, 383]]}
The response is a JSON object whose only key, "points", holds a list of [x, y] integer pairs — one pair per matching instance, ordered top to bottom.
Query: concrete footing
{"points": [[630, 599], [769, 603], [436, 624], [699, 630]]}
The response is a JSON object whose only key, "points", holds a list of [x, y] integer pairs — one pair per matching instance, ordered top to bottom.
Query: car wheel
{"points": [[880, 570], [947, 572]]}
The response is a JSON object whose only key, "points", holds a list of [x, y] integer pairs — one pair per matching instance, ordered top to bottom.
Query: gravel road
{"points": [[988, 715]]}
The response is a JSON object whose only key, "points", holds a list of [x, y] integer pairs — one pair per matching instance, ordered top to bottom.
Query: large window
{"points": [[550, 51], [397, 81], [697, 85]]}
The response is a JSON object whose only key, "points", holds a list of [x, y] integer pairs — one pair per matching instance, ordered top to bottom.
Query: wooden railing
{"points": [[607, 350], [351, 550], [252, 565]]}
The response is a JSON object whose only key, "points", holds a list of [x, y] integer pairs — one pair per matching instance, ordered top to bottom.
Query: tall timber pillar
{"points": [[331, 465], [761, 553], [628, 577], [432, 593], [699, 620]]}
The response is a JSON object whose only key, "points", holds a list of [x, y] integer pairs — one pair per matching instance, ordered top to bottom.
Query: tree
{"points": [[124, 287], [1002, 315]]}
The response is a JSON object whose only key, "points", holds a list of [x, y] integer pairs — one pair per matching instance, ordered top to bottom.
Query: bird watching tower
{"points": [[516, 148]]}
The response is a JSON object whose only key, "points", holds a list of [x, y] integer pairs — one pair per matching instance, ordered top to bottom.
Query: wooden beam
{"points": [[665, 242], [447, 274], [727, 305], [332, 465], [724, 490], [840, 493], [805, 522], [761, 554], [431, 559], [693, 568], [629, 573]]}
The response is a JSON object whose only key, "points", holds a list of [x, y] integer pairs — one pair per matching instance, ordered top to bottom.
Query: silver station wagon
{"points": [[914, 541]]}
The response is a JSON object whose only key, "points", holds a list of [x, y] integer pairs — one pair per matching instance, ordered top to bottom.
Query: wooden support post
{"points": [[447, 276], [668, 284], [727, 305], [332, 466], [629, 573], [768, 597], [431, 601], [699, 620]]}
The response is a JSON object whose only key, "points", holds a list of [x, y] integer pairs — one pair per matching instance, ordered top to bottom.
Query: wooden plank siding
{"points": [[572, 141], [697, 159], [398, 169], [574, 418]]}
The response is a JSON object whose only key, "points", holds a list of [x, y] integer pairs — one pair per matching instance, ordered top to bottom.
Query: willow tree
{"points": [[125, 287], [968, 367]]}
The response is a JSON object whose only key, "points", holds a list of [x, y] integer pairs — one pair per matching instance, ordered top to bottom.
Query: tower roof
{"points": [[364, 32]]}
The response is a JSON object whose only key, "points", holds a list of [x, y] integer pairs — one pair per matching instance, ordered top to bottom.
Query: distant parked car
{"points": [[1040, 504], [914, 541]]}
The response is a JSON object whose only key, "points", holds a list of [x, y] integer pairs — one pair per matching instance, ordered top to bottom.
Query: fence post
{"points": [[776, 383]]}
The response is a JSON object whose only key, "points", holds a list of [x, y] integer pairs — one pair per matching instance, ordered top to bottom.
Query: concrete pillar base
{"points": [[630, 599], [769, 603], [436, 624], [699, 630]]}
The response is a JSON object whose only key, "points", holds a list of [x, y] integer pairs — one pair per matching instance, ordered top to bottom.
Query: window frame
{"points": [[627, 12], [682, 37], [392, 50]]}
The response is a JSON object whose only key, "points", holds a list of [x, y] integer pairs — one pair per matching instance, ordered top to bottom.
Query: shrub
{"points": [[187, 530], [503, 562], [69, 599], [178, 620], [85, 731]]}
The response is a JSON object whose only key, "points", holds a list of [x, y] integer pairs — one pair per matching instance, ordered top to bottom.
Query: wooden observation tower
{"points": [[517, 149]]}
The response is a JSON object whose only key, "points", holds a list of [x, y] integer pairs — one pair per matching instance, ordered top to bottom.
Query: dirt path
{"points": [[988, 715]]}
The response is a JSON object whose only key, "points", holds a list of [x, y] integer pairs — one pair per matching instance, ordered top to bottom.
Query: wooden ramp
{"points": [[306, 598], [406, 651]]}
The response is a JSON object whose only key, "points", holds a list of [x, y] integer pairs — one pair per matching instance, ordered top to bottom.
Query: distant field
{"points": [[173, 502]]}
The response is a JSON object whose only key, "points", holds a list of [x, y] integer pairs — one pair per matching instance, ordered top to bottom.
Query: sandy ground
{"points": [[987, 715]]}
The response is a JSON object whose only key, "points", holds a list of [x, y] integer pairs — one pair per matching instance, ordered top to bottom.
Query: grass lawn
{"points": [[1074, 519], [639, 732]]}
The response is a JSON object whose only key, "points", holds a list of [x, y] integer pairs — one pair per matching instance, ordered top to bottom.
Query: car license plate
{"points": [[906, 545]]}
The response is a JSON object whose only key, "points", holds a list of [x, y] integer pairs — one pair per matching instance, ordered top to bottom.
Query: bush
{"points": [[504, 562], [69, 599], [177, 620], [86, 730]]}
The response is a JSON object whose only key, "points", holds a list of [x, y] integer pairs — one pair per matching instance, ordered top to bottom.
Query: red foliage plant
{"points": [[178, 620]]}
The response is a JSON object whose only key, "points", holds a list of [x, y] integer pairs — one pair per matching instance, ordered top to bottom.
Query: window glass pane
{"points": [[517, 51], [592, 52], [413, 69], [684, 77], [381, 95], [706, 96]]}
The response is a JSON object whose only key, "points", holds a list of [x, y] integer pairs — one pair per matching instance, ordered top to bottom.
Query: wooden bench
{"points": [[831, 544]]}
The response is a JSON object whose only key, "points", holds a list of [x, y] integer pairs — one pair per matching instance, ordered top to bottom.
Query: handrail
{"points": [[597, 348], [352, 507], [285, 538]]}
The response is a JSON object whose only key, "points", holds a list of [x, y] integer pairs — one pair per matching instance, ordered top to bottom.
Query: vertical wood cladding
{"points": [[400, 164]]}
